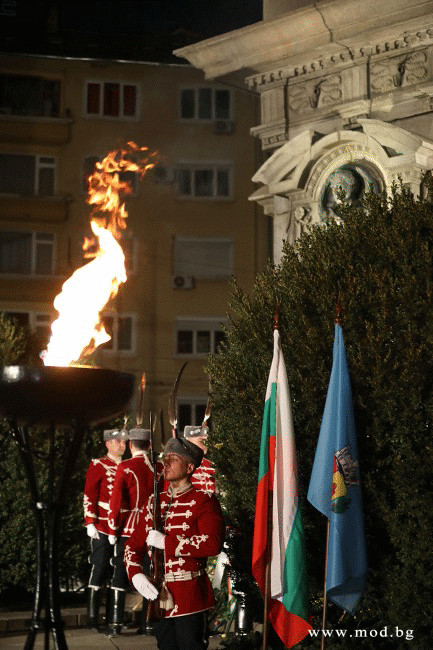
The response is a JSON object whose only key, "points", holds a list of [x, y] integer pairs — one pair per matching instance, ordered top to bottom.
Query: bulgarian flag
{"points": [[288, 604]]}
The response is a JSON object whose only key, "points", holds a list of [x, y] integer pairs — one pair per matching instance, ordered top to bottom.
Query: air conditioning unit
{"points": [[224, 127], [164, 174], [183, 282]]}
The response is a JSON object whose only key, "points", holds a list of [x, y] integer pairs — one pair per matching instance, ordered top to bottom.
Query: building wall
{"points": [[156, 216]]}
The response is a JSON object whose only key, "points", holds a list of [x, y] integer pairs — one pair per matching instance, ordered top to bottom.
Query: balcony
{"points": [[34, 130], [52, 209]]}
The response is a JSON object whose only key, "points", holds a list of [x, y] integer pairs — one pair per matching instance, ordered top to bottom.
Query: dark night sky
{"points": [[207, 18], [159, 26]]}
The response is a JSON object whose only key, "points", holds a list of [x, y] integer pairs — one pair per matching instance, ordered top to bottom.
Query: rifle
{"points": [[153, 611]]}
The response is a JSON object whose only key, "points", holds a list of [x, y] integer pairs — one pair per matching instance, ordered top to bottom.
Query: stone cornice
{"points": [[332, 32], [355, 55]]}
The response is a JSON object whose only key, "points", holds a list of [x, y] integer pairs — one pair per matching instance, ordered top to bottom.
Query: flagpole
{"points": [[328, 527], [266, 596], [325, 600]]}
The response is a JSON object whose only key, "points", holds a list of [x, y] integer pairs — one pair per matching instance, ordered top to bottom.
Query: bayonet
{"points": [[208, 411], [139, 416], [172, 417]]}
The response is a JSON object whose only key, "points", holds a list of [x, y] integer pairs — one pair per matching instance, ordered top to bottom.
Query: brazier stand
{"points": [[50, 397]]}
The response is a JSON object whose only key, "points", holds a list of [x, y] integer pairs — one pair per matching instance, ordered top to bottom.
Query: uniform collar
{"points": [[139, 452], [113, 458], [177, 492]]}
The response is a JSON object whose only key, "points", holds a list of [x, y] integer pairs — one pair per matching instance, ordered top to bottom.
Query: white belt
{"points": [[182, 576]]}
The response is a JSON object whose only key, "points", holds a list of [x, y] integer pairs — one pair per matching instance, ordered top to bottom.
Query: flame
{"points": [[78, 330]]}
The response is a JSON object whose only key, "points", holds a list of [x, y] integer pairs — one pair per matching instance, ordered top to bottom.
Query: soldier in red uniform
{"points": [[204, 476], [132, 488], [97, 493], [193, 530]]}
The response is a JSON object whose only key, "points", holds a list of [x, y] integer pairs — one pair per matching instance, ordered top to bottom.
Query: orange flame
{"points": [[78, 330]]}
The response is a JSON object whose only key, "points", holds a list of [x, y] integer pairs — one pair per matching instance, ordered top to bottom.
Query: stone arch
{"points": [[350, 154], [294, 179]]}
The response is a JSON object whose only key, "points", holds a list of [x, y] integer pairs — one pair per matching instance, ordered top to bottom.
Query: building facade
{"points": [[346, 92], [190, 227]]}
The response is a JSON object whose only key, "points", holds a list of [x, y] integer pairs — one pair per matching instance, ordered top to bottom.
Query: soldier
{"points": [[204, 476], [132, 488], [97, 493], [193, 530]]}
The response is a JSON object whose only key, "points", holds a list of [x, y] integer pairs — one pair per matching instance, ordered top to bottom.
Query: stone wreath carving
{"points": [[399, 71], [315, 94]]}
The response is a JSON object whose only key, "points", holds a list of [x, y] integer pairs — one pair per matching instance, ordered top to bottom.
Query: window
{"points": [[28, 95], [111, 99], [205, 104], [89, 166], [27, 175], [211, 181], [28, 253], [203, 258], [121, 328], [198, 336], [191, 411]]}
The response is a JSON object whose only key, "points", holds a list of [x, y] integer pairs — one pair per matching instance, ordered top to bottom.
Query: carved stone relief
{"points": [[399, 71], [314, 94], [350, 183]]}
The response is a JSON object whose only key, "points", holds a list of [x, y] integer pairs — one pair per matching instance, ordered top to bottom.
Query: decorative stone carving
{"points": [[399, 71], [315, 94], [300, 180], [303, 215]]}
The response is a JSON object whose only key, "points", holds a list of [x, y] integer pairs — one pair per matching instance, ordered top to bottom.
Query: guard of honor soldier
{"points": [[204, 476], [133, 485], [97, 493], [193, 530]]}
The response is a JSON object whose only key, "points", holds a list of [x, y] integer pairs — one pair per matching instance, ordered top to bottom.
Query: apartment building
{"points": [[190, 226]]}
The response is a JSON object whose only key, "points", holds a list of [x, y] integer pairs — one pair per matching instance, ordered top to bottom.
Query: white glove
{"points": [[92, 531], [112, 539], [156, 539], [144, 586]]}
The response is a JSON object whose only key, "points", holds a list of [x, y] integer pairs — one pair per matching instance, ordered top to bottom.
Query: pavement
{"points": [[14, 630]]}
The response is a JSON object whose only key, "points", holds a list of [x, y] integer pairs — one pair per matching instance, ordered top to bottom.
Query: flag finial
{"points": [[338, 311], [277, 317]]}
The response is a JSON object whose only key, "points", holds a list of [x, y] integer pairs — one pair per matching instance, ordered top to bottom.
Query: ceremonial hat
{"points": [[195, 432], [137, 433], [115, 434], [184, 448]]}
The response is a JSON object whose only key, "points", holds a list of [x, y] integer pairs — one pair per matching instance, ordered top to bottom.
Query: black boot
{"points": [[93, 603], [117, 607]]}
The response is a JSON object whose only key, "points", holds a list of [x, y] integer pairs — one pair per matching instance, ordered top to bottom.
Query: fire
{"points": [[78, 330]]}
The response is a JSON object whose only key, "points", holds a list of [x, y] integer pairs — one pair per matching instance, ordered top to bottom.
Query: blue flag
{"points": [[335, 488]]}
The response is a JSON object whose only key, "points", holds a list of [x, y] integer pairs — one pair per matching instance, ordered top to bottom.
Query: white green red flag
{"points": [[288, 604]]}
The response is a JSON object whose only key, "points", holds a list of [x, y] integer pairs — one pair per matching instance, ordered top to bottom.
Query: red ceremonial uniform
{"points": [[204, 476], [132, 488], [97, 492], [194, 529]]}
